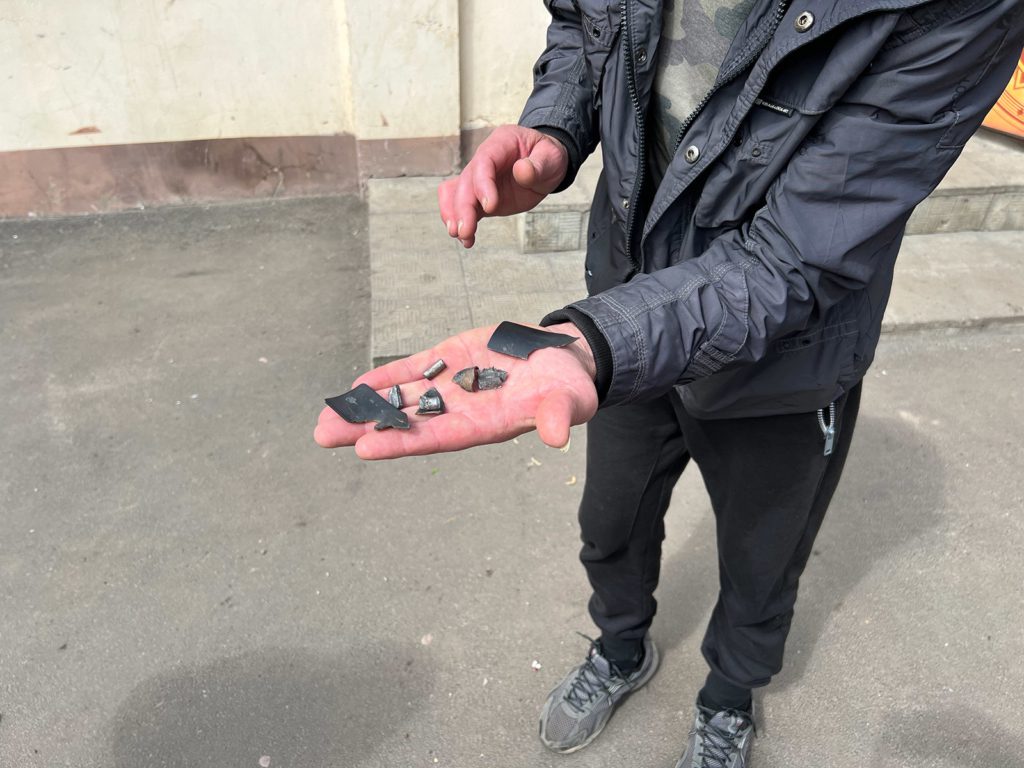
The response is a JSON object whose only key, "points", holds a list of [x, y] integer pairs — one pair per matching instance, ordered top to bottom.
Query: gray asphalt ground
{"points": [[186, 581]]}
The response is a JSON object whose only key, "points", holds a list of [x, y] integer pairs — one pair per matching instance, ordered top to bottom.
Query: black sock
{"points": [[626, 655], [718, 694]]}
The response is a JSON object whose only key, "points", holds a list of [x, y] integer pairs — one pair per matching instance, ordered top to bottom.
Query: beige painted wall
{"points": [[500, 43], [405, 68], [165, 70], [101, 72]]}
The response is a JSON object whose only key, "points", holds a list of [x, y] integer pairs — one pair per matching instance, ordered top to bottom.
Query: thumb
{"points": [[543, 169], [555, 415]]}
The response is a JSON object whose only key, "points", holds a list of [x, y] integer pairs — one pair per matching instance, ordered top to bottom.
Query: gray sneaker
{"points": [[581, 705], [719, 739]]}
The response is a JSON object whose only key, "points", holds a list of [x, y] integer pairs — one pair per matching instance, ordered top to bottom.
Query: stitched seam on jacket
{"points": [[961, 88], [566, 102], [713, 276], [630, 318], [641, 343], [710, 347]]}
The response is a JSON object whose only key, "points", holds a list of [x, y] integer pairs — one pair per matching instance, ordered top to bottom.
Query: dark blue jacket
{"points": [[755, 277]]}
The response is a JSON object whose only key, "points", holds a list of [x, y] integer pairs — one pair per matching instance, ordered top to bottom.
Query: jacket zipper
{"points": [[780, 12], [634, 96], [828, 430]]}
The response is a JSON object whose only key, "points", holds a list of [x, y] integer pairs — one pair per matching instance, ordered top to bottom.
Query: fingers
{"points": [[543, 169], [486, 190], [476, 192], [446, 204], [555, 415], [332, 431], [436, 434]]}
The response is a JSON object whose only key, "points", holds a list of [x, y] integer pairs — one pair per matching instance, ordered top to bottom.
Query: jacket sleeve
{"points": [[562, 101], [829, 220]]}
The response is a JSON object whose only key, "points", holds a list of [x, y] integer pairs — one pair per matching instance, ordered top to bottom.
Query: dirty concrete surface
{"points": [[187, 581]]}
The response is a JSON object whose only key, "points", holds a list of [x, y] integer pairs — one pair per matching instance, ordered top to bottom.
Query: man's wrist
{"points": [[580, 348], [598, 351]]}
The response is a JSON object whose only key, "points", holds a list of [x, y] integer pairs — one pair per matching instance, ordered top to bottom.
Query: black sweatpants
{"points": [[770, 484]]}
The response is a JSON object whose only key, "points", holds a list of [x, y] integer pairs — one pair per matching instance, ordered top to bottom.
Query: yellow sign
{"points": [[1007, 115]]}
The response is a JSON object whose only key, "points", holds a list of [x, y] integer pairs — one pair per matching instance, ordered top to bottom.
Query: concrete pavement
{"points": [[187, 581]]}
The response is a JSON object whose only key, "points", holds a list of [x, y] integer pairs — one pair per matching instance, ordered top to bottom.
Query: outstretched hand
{"points": [[512, 170], [550, 392]]}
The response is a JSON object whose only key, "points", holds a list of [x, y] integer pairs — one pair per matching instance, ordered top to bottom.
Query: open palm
{"points": [[550, 392]]}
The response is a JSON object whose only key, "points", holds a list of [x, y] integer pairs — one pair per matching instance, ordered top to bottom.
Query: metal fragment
{"points": [[520, 340], [434, 369], [466, 378], [491, 378], [395, 396], [431, 403], [363, 404]]}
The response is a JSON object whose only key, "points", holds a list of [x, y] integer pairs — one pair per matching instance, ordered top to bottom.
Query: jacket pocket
{"points": [[600, 23], [738, 181]]}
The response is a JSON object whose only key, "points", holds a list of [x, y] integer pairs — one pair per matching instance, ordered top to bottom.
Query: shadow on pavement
{"points": [[890, 493], [295, 707]]}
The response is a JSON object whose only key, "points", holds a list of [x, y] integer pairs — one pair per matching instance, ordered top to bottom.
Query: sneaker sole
{"points": [[655, 661]]}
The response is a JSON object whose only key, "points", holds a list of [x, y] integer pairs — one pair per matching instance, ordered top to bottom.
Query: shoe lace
{"points": [[589, 682], [717, 745]]}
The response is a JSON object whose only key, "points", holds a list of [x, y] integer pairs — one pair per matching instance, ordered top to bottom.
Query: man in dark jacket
{"points": [[761, 160]]}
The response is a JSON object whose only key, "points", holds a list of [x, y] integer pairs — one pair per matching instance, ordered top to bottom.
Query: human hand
{"points": [[512, 170], [549, 392]]}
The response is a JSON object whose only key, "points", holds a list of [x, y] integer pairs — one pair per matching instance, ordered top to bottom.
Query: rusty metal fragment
{"points": [[520, 340], [434, 369], [466, 378], [491, 378], [395, 396], [431, 403], [362, 404]]}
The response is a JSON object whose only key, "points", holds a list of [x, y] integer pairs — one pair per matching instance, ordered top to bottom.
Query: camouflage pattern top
{"points": [[694, 40]]}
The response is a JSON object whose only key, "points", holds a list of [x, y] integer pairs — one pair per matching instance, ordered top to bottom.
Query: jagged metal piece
{"points": [[520, 340], [434, 369], [466, 378], [491, 378], [395, 396], [431, 403], [362, 404]]}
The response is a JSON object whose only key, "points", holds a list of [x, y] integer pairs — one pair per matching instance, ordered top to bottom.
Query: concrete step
{"points": [[983, 191], [957, 279], [426, 287]]}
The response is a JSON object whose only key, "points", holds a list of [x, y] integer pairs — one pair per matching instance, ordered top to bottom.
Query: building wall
{"points": [[500, 43], [79, 73], [114, 103]]}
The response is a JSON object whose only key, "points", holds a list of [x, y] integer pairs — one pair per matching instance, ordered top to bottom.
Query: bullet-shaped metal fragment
{"points": [[434, 369], [466, 378], [491, 378], [395, 396], [431, 403]]}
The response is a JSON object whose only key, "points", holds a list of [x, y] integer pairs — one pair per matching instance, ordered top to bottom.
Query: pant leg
{"points": [[635, 454], [770, 485]]}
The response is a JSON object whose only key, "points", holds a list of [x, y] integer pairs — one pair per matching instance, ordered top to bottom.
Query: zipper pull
{"points": [[828, 430]]}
